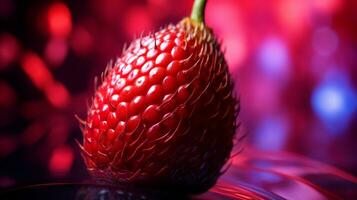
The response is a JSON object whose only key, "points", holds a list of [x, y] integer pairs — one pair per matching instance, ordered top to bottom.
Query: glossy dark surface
{"points": [[251, 175]]}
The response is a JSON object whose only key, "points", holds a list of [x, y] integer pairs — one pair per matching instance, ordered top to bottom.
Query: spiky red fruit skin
{"points": [[165, 113]]}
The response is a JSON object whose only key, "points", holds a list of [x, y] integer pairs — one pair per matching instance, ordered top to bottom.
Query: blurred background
{"points": [[294, 63]]}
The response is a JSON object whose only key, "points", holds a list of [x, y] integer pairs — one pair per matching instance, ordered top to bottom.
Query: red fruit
{"points": [[165, 113]]}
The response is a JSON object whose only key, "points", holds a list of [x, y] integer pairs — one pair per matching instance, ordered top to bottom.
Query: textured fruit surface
{"points": [[164, 114]]}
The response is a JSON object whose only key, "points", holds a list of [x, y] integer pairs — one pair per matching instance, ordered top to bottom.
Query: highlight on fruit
{"points": [[164, 113]]}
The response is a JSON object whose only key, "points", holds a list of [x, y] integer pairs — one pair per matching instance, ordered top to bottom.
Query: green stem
{"points": [[198, 11]]}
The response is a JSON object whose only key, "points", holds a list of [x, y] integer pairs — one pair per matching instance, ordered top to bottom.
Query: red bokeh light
{"points": [[293, 15], [59, 20], [81, 41], [234, 43], [9, 49], [235, 50], [56, 51], [37, 71], [57, 94], [7, 95], [61, 161]]}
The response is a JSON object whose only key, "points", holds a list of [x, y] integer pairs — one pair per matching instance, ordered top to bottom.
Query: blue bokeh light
{"points": [[273, 58], [334, 101], [271, 134]]}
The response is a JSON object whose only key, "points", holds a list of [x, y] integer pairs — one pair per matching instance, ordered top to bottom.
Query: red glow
{"points": [[158, 3], [327, 6], [107, 10], [218, 12], [293, 15], [59, 20], [137, 20], [81, 41], [234, 42], [9, 49], [56, 51], [236, 51], [37, 71], [57, 94], [7, 95], [34, 109], [59, 130], [33, 133], [7, 145], [61, 161], [6, 182]]}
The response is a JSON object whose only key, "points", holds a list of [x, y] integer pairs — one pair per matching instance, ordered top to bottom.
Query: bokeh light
{"points": [[59, 20], [81, 41], [325, 41], [234, 43], [9, 49], [56, 51], [273, 58], [293, 63], [37, 71], [8, 95], [334, 101], [272, 133], [61, 161]]}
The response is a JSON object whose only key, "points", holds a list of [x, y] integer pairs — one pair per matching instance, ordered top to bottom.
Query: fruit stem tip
{"points": [[198, 11]]}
